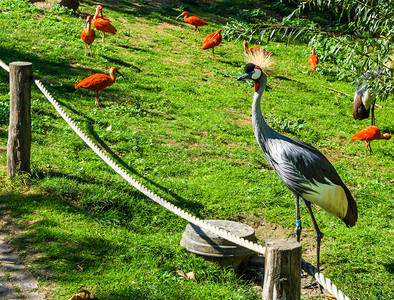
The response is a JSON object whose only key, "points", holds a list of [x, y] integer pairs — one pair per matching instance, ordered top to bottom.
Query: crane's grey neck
{"points": [[261, 130]]}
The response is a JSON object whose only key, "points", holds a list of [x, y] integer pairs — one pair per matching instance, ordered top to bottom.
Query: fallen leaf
{"points": [[180, 273], [190, 275], [82, 294]]}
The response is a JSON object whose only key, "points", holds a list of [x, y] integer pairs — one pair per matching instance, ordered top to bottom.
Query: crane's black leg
{"points": [[373, 113], [298, 218], [318, 237]]}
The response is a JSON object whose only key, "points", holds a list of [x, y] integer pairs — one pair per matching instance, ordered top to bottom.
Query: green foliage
{"points": [[18, 5], [60, 10], [353, 37], [4, 112], [284, 125]]}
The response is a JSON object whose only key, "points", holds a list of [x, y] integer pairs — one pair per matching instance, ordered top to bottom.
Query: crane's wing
{"points": [[309, 174]]}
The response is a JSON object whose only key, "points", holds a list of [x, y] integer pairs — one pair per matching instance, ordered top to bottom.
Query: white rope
{"points": [[4, 66], [220, 232], [325, 282]]}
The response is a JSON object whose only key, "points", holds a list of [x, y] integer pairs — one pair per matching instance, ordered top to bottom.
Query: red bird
{"points": [[195, 21], [101, 23], [88, 35], [212, 40], [256, 49], [313, 61], [97, 82], [369, 134]]}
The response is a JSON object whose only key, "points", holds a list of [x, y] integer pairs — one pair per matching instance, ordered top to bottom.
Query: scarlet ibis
{"points": [[195, 21], [101, 23], [88, 35], [212, 40], [255, 49], [313, 61], [97, 82], [364, 101], [369, 134], [301, 167]]}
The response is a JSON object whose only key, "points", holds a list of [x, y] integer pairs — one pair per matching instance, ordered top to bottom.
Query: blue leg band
{"points": [[298, 223]]}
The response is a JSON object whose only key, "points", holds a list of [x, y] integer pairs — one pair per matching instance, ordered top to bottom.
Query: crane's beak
{"points": [[245, 76]]}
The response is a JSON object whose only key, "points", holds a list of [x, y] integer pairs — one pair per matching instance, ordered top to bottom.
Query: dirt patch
{"points": [[44, 3], [241, 119], [334, 154]]}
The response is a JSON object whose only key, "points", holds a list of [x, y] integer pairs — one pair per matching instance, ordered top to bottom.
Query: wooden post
{"points": [[19, 133], [282, 275]]}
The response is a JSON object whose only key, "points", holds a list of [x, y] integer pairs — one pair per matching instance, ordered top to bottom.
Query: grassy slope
{"points": [[180, 124]]}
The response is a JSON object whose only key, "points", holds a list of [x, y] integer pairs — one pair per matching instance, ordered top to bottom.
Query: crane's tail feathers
{"points": [[263, 59], [359, 111], [351, 216]]}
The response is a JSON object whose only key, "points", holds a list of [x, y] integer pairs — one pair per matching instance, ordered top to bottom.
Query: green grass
{"points": [[180, 124]]}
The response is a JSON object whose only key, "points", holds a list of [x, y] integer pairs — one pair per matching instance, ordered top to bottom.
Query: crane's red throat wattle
{"points": [[256, 86]]}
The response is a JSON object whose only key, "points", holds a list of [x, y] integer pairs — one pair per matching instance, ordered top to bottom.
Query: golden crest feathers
{"points": [[263, 58]]}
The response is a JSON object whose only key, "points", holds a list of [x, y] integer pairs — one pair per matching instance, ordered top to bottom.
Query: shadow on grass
{"points": [[57, 69], [188, 204], [63, 245], [390, 267]]}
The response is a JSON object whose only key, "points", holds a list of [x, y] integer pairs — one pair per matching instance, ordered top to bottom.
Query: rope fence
{"points": [[307, 267]]}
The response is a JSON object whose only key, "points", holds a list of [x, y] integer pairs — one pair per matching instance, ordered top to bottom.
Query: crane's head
{"points": [[260, 64], [251, 72]]}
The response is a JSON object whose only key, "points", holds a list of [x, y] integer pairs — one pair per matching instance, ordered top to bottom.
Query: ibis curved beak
{"points": [[179, 16], [121, 74], [245, 76]]}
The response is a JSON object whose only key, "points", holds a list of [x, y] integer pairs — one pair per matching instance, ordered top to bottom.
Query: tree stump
{"points": [[19, 132], [282, 275]]}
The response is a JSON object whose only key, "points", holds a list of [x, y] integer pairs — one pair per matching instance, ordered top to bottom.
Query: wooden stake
{"points": [[19, 133], [282, 276]]}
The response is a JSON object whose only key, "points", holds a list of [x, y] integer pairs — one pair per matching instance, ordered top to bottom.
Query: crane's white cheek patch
{"points": [[256, 74], [330, 197]]}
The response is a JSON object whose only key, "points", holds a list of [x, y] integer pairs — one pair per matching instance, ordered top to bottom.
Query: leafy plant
{"points": [[4, 112], [285, 125]]}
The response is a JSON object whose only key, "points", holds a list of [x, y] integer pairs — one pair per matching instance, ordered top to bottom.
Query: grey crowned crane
{"points": [[364, 101], [301, 167]]}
